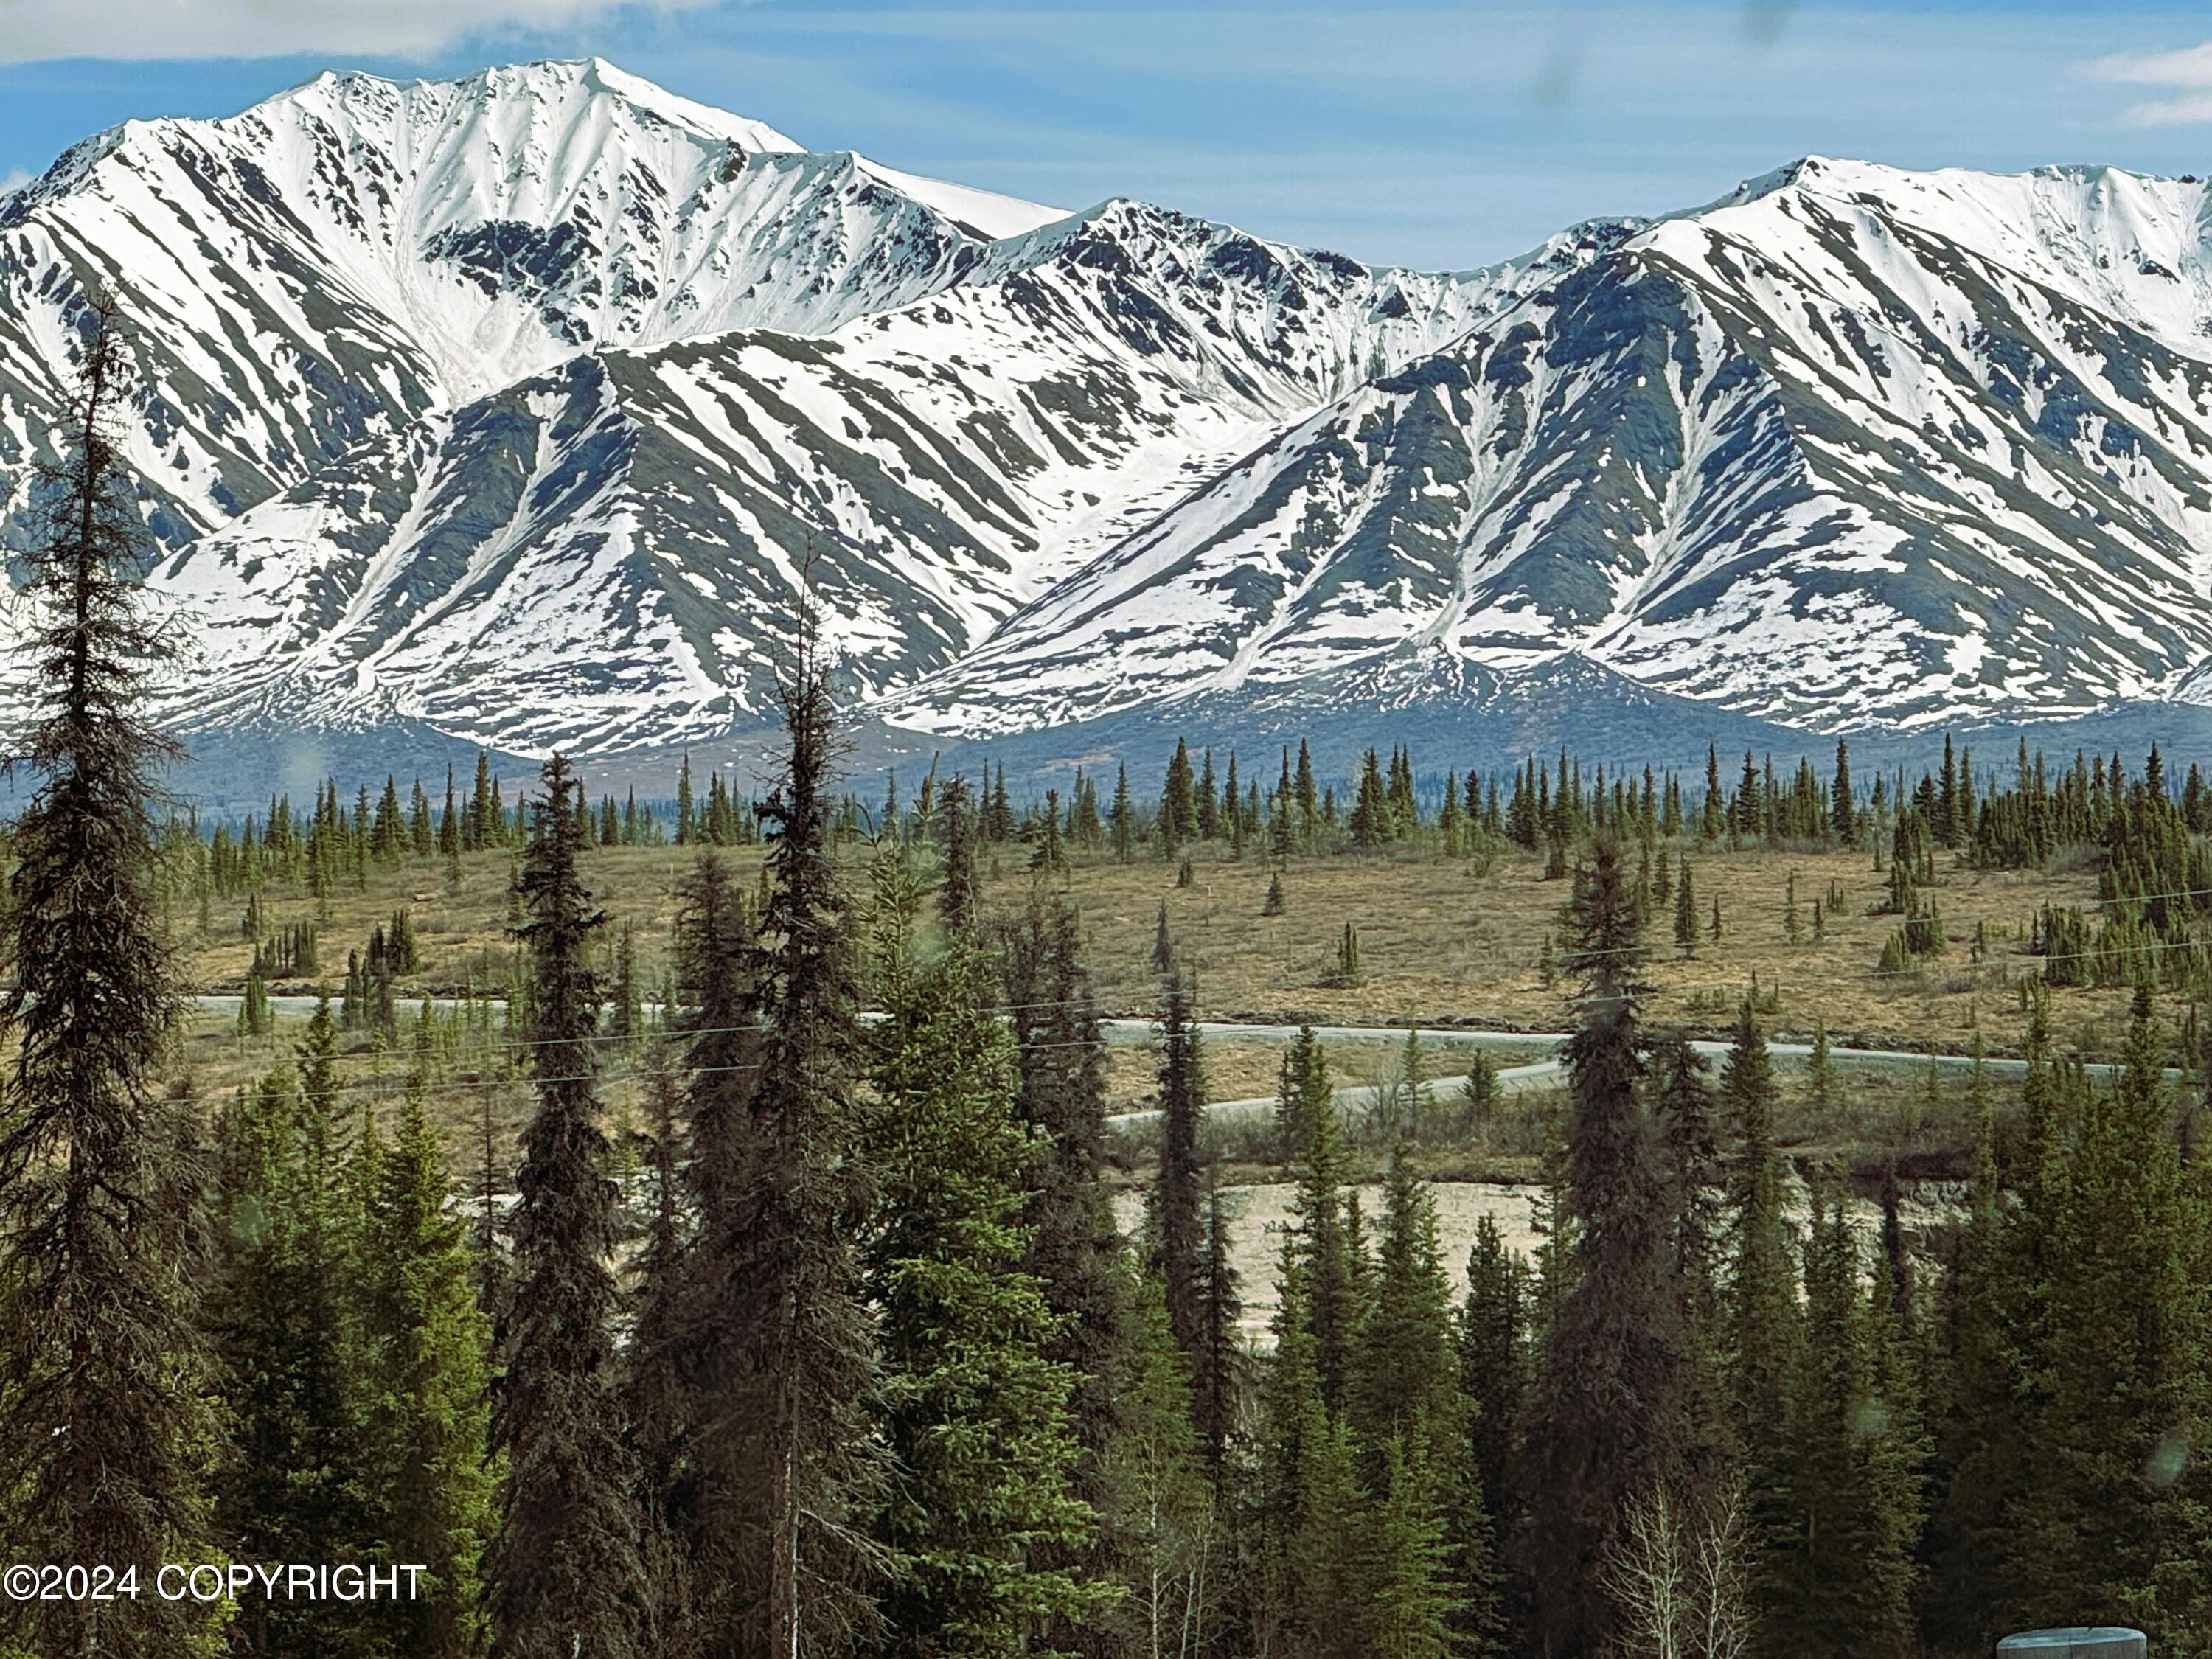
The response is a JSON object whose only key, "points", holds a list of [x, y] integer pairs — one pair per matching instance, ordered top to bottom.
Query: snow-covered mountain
{"points": [[322, 269], [935, 400], [522, 408], [1853, 446]]}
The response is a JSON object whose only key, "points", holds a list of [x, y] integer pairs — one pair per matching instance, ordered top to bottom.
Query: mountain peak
{"points": [[568, 84]]}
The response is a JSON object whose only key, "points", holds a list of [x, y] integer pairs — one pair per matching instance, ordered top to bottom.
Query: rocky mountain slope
{"points": [[520, 409], [1853, 448]]}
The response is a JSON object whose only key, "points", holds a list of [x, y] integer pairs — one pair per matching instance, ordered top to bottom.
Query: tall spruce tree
{"points": [[1178, 819], [960, 896], [1690, 1134], [1177, 1220], [1320, 1238], [1074, 1247], [254, 1310], [1766, 1331], [292, 1338], [424, 1342], [1493, 1365], [1218, 1366], [688, 1386], [659, 1396], [686, 1401], [974, 1411], [797, 1415], [1976, 1422], [1606, 1425], [105, 1437], [1309, 1500], [326, 1513], [1159, 1520], [2114, 1521], [1404, 1562], [1436, 1564], [566, 1573], [1837, 1581]]}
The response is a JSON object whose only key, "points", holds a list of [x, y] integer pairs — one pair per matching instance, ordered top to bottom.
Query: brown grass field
{"points": [[1443, 943]]}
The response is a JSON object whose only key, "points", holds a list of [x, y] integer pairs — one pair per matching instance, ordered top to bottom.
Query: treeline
{"points": [[2035, 814], [2149, 836], [335, 840]]}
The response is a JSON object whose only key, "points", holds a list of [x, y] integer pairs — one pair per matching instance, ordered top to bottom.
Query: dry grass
{"points": [[1440, 945]]}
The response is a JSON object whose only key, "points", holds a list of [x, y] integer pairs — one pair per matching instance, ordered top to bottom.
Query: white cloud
{"points": [[32, 30], [2186, 73], [13, 180]]}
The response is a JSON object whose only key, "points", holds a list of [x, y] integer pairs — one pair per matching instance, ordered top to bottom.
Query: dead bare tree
{"points": [[1677, 1578]]}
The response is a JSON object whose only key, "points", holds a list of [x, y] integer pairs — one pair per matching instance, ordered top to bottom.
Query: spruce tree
{"points": [[1841, 802], [1122, 816], [1178, 821], [960, 897], [1686, 912], [1821, 1083], [1689, 1134], [1176, 1216], [1319, 1241], [1074, 1248], [256, 1325], [1766, 1333], [424, 1344], [294, 1346], [1493, 1365], [1218, 1366], [687, 1386], [659, 1396], [975, 1412], [796, 1415], [1412, 1421], [1976, 1423], [1606, 1428], [105, 1438], [1311, 1512], [326, 1516], [2115, 1518], [1159, 1519], [1404, 1563], [566, 1571], [1837, 1578]]}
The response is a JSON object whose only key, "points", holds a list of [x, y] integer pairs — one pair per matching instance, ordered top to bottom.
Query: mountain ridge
{"points": [[520, 408]]}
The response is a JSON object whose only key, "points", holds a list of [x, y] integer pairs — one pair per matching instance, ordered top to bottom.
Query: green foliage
{"points": [[1372, 824], [1686, 912], [1481, 1092], [1177, 1229], [424, 1384], [975, 1415], [2113, 1513], [1161, 1533], [1838, 1558], [567, 1567]]}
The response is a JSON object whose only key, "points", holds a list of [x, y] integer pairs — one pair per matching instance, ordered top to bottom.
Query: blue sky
{"points": [[1429, 134]]}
